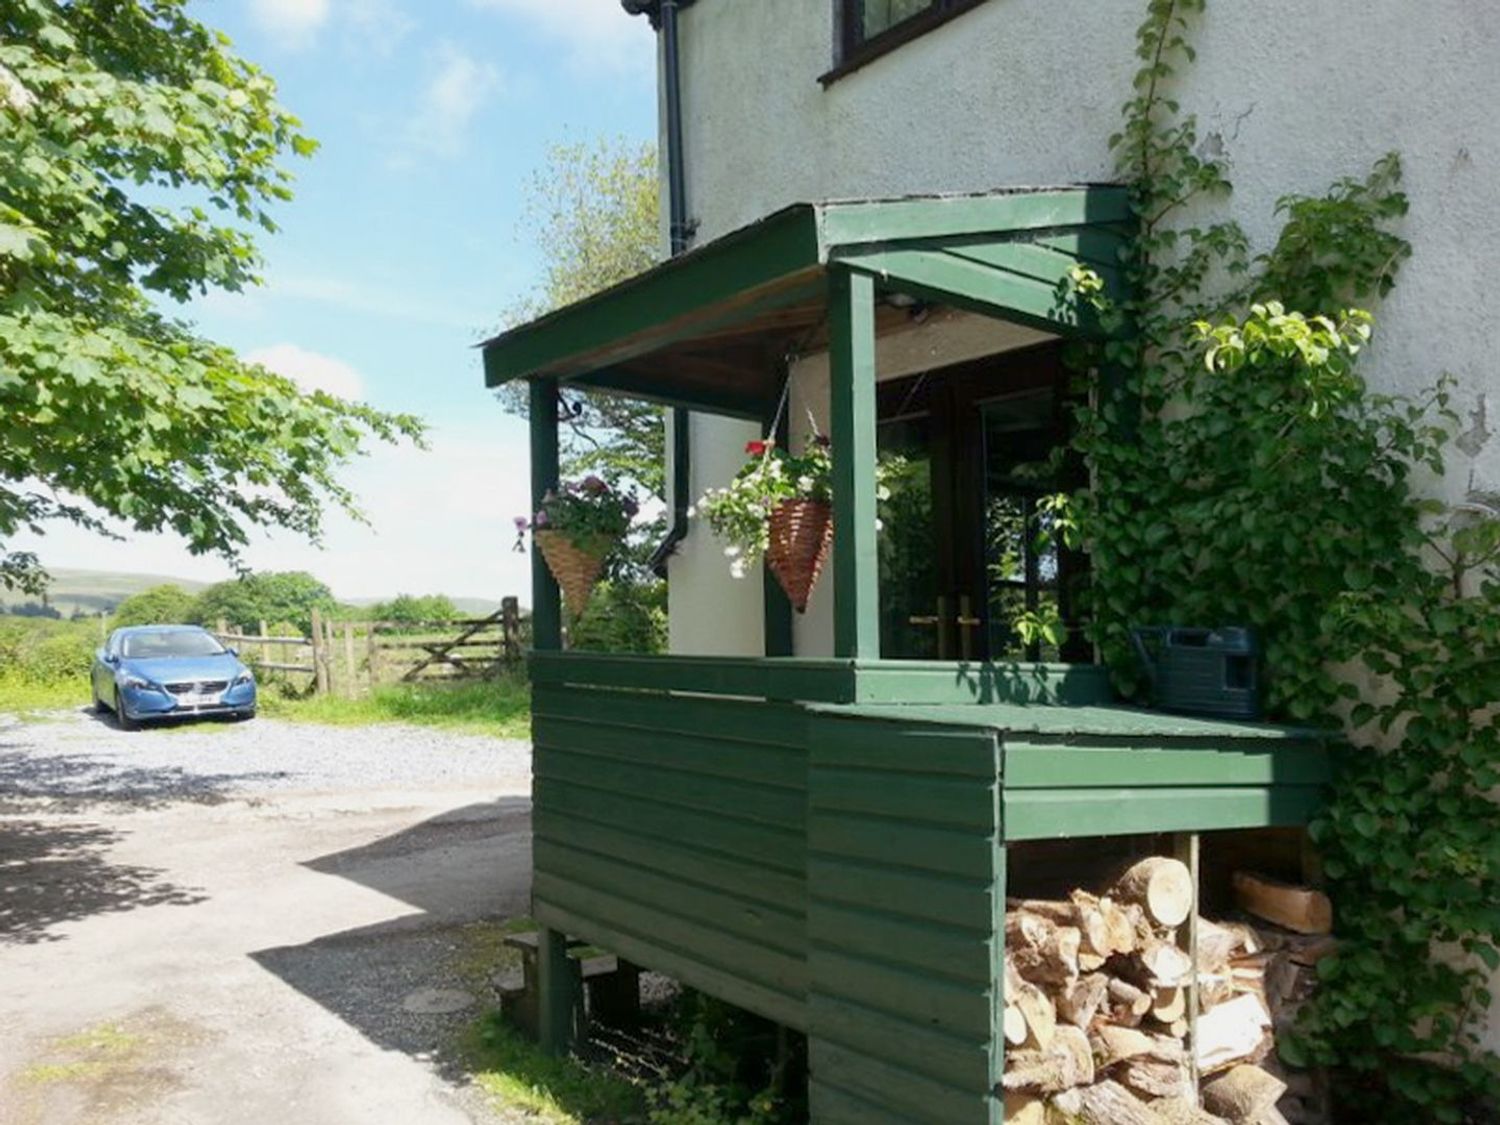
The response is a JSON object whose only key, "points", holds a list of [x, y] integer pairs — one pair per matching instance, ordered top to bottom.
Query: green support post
{"points": [[851, 350], [546, 599], [559, 984]]}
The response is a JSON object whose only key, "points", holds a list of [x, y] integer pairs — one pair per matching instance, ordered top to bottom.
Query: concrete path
{"points": [[274, 956]]}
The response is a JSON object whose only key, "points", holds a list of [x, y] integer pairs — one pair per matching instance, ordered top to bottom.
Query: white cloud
{"points": [[294, 22], [375, 26], [596, 32], [457, 88], [386, 302], [312, 371], [439, 521]]}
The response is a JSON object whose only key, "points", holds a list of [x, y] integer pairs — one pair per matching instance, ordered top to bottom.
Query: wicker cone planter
{"points": [[801, 533], [577, 571]]}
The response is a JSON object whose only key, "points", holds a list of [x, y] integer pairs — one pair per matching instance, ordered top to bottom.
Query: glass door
{"points": [[967, 456]]}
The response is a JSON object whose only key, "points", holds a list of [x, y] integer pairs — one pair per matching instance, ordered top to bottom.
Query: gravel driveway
{"points": [[228, 923]]}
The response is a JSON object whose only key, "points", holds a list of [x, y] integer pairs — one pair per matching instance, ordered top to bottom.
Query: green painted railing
{"points": [[808, 680]]}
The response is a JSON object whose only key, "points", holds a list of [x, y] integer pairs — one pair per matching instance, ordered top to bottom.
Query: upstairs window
{"points": [[872, 17], [868, 29]]}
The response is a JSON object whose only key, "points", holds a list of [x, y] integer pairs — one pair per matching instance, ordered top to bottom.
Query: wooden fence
{"points": [[351, 657]]}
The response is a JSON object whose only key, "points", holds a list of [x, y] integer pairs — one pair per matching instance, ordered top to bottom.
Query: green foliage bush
{"points": [[1242, 472], [271, 596], [160, 605], [411, 609], [624, 616], [40, 652]]}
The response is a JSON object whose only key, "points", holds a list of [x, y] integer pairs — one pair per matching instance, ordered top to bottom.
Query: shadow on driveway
{"points": [[52, 873], [403, 983]]}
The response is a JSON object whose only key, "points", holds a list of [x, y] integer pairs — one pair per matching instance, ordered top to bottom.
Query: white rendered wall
{"points": [[1026, 92]]}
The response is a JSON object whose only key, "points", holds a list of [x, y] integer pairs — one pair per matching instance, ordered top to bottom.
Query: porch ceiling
{"points": [[712, 330]]}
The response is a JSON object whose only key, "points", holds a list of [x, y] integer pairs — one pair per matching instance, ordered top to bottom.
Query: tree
{"points": [[136, 154], [595, 213], [288, 596], [160, 605], [410, 609]]}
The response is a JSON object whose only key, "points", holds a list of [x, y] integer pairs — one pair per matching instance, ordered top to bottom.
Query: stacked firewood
{"points": [[1097, 987]]}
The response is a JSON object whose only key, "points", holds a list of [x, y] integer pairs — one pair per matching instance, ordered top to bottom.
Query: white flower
{"points": [[804, 484], [732, 551], [738, 568]]}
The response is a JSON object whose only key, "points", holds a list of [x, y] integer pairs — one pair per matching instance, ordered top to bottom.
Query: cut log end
{"points": [[1163, 886]]}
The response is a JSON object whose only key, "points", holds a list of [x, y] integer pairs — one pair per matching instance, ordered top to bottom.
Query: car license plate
{"points": [[199, 699]]}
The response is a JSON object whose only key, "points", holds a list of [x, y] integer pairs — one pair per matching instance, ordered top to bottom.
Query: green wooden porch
{"points": [[827, 842]]}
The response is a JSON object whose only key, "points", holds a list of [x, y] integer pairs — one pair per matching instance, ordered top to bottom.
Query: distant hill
{"points": [[97, 591], [100, 591]]}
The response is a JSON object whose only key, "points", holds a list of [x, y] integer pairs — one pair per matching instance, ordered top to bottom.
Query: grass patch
{"points": [[22, 695], [501, 708], [105, 1049], [555, 1091]]}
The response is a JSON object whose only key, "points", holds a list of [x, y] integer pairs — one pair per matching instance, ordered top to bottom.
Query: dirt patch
{"points": [[105, 1072]]}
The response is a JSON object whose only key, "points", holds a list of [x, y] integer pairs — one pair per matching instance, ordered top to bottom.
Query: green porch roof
{"points": [[713, 328]]}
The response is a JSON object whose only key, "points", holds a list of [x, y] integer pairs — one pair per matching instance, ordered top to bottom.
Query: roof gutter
{"points": [[663, 17]]}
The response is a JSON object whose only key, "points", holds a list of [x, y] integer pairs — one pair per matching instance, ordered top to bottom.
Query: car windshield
{"points": [[188, 642]]}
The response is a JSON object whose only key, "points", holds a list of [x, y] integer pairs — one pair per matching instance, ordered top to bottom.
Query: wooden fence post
{"points": [[223, 627], [510, 630], [265, 649], [372, 654], [319, 655], [351, 684]]}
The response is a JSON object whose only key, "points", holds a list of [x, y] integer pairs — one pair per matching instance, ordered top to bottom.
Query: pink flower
{"points": [[822, 440], [758, 448], [594, 485], [539, 520], [521, 523]]}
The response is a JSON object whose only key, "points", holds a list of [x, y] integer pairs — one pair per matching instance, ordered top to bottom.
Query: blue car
{"points": [[164, 671]]}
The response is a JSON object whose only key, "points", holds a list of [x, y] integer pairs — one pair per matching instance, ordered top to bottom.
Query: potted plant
{"points": [[779, 506], [577, 526]]}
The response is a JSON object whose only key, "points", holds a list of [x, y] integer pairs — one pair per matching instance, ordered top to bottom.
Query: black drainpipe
{"points": [[663, 16]]}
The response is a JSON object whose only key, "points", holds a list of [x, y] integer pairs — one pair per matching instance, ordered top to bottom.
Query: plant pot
{"points": [[801, 533], [577, 569]]}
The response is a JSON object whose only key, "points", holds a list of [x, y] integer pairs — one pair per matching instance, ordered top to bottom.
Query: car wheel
{"points": [[122, 716], [244, 716]]}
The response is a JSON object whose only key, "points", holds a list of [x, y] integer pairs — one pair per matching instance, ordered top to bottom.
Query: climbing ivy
{"points": [[1242, 471]]}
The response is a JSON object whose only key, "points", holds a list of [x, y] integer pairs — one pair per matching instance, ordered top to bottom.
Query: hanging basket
{"points": [[801, 534], [576, 569]]}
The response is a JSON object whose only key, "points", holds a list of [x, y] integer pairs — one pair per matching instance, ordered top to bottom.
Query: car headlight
{"points": [[245, 677], [131, 681]]}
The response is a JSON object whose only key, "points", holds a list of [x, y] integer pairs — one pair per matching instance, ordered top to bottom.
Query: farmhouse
{"points": [[879, 214]]}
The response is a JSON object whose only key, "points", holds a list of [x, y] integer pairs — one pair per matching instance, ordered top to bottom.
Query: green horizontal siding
{"points": [[672, 830], [904, 859]]}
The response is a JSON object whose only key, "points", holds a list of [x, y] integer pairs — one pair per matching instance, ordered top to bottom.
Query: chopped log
{"points": [[1163, 886], [1301, 909], [1119, 922], [1217, 945], [1042, 951], [1090, 962], [1158, 964], [1214, 989], [1080, 1002], [1168, 1003], [1128, 1004], [1034, 1005], [1178, 1029], [1016, 1031], [1238, 1031], [1114, 1044], [1067, 1062], [1151, 1078], [1242, 1094], [1108, 1103], [1024, 1109], [1184, 1111], [1272, 1116]]}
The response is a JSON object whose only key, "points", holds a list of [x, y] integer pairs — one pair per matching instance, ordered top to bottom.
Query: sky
{"points": [[401, 250]]}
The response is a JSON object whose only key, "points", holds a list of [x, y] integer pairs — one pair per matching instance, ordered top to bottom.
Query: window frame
{"points": [[854, 52]]}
